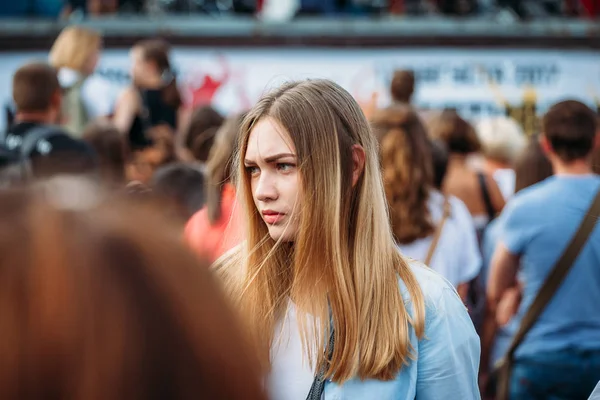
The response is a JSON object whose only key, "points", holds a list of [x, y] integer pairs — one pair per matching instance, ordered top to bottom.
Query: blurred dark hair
{"points": [[157, 51], [403, 86], [33, 87], [203, 119], [570, 127], [459, 135], [111, 149], [439, 154], [532, 165], [407, 166], [182, 185], [101, 300]]}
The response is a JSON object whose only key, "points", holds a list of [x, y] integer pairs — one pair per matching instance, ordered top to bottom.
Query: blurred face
{"points": [[140, 68], [271, 165]]}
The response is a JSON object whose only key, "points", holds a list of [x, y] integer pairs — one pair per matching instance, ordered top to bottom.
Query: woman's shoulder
{"points": [[438, 292]]}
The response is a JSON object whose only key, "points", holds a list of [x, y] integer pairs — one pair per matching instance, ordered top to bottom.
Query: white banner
{"points": [[233, 79]]}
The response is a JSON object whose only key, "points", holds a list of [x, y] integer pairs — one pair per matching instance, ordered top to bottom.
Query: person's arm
{"points": [[128, 106], [183, 123], [496, 196], [503, 276], [448, 355]]}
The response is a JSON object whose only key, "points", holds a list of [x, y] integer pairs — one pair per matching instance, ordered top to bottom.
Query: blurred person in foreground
{"points": [[86, 97], [502, 140], [46, 148], [532, 166], [477, 189], [428, 226], [217, 228], [101, 300], [333, 309], [560, 355]]}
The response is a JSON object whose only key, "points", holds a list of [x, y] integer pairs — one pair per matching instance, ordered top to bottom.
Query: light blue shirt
{"points": [[538, 223], [447, 358]]}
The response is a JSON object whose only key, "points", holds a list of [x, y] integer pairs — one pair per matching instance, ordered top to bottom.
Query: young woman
{"points": [[149, 109], [475, 188], [430, 227], [319, 280]]}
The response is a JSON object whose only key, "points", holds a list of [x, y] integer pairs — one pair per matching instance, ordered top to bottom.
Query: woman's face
{"points": [[139, 66], [271, 165]]}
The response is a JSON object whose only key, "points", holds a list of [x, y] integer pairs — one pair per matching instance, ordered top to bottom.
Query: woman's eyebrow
{"points": [[276, 157]]}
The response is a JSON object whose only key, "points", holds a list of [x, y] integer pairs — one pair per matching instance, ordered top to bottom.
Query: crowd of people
{"points": [[520, 8], [309, 248]]}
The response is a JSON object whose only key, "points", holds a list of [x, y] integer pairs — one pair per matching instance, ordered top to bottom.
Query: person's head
{"points": [[76, 48], [150, 64], [402, 86], [36, 91], [204, 119], [569, 132], [458, 134], [502, 140], [111, 149], [439, 154], [531, 166], [219, 168], [407, 171], [181, 185], [317, 231], [102, 300]]}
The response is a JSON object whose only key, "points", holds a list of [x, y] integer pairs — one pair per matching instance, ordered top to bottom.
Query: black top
{"points": [[157, 113]]}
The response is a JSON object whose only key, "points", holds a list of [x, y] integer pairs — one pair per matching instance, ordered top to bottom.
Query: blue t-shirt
{"points": [[538, 224]]}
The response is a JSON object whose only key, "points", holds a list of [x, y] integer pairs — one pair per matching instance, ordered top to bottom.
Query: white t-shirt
{"points": [[99, 95], [505, 179], [456, 257], [291, 375]]}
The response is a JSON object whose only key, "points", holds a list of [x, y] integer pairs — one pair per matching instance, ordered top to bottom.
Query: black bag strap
{"points": [[485, 194], [547, 291], [318, 385]]}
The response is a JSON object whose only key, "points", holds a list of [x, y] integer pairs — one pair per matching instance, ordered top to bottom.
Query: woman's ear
{"points": [[358, 162]]}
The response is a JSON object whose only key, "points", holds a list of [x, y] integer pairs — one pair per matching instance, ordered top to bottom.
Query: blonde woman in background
{"points": [[75, 55], [502, 141], [428, 226], [333, 309]]}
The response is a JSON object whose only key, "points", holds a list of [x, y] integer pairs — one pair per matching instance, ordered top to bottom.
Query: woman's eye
{"points": [[285, 167], [252, 170]]}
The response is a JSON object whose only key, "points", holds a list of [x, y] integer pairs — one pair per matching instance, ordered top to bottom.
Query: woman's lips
{"points": [[272, 217]]}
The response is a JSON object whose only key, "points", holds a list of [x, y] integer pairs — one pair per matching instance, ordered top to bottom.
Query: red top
{"points": [[212, 241]]}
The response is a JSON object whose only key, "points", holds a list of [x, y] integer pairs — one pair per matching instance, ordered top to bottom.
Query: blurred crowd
{"points": [[523, 9], [139, 188]]}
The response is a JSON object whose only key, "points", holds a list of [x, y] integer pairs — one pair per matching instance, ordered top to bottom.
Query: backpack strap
{"points": [[33, 136], [485, 194], [438, 231], [549, 287]]}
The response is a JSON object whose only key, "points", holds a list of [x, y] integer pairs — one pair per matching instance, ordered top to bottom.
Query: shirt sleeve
{"points": [[516, 227], [448, 359]]}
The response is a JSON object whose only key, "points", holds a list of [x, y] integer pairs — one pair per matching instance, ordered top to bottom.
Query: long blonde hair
{"points": [[74, 47], [407, 171], [343, 267]]}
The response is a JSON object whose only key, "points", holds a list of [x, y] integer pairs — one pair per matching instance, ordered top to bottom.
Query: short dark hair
{"points": [[33, 86], [403, 86], [570, 127], [111, 149], [439, 155], [181, 184]]}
